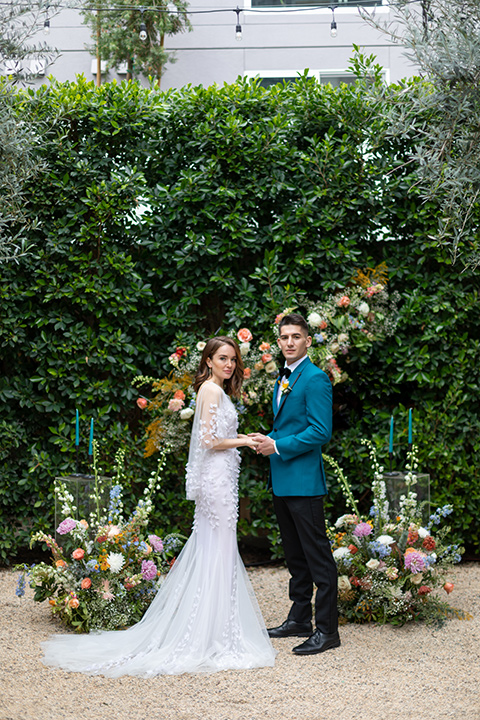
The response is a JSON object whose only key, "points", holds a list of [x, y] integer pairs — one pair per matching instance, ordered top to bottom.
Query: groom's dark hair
{"points": [[294, 319]]}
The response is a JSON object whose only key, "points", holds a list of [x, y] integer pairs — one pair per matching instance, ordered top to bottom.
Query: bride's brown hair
{"points": [[233, 385]]}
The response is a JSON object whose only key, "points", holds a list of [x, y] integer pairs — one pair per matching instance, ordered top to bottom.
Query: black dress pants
{"points": [[309, 560]]}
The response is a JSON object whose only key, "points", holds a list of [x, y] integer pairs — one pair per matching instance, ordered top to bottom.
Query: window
{"points": [[314, 3]]}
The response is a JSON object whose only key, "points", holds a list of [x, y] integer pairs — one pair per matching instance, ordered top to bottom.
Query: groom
{"points": [[302, 406]]}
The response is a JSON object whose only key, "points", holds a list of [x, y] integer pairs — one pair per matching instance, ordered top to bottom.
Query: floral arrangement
{"points": [[353, 318], [390, 566], [107, 570]]}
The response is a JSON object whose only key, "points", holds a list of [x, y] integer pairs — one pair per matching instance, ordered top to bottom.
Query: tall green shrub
{"points": [[164, 215]]}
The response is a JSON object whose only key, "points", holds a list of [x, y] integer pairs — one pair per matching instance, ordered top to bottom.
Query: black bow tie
{"points": [[284, 372]]}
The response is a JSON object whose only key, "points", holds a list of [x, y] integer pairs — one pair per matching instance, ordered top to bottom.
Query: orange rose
{"points": [[244, 335], [264, 346], [266, 358], [247, 373], [179, 395], [142, 403], [353, 549], [410, 550], [78, 554], [60, 563], [86, 584], [448, 587], [73, 603]]}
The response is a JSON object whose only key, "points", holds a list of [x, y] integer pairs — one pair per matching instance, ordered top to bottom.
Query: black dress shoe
{"points": [[291, 628], [317, 643]]}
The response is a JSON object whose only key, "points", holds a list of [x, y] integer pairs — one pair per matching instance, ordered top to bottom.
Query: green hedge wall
{"points": [[166, 214]]}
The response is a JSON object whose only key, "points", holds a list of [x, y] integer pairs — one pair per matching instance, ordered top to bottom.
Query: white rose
{"points": [[363, 308], [314, 319], [343, 338], [201, 345], [244, 348], [334, 348], [271, 367], [186, 413], [423, 533], [385, 539], [341, 552], [373, 564], [416, 579], [343, 582]]}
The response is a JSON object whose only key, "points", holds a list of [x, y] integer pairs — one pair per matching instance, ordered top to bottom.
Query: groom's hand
{"points": [[265, 444]]}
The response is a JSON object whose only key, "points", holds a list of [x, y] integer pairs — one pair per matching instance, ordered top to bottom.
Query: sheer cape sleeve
{"points": [[206, 434]]}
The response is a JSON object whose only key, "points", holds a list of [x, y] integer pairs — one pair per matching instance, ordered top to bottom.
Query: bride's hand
{"points": [[248, 441]]}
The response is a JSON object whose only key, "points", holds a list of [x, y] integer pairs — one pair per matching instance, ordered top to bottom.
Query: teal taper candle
{"points": [[410, 426], [77, 429], [90, 444], [390, 444]]}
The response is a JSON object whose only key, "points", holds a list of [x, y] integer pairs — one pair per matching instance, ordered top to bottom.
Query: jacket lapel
{"points": [[283, 397]]}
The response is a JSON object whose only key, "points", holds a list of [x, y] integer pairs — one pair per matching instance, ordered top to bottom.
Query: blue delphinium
{"points": [[379, 549]]}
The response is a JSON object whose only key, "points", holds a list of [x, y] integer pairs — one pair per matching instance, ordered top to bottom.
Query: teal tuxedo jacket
{"points": [[302, 424]]}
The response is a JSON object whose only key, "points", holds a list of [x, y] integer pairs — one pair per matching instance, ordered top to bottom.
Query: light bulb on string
{"points": [[333, 25], [46, 27], [238, 27], [143, 35]]}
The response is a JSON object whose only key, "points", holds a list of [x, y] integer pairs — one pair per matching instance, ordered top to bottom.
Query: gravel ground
{"points": [[379, 673]]}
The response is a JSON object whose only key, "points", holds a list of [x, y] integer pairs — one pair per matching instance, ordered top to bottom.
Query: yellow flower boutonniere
{"points": [[285, 387]]}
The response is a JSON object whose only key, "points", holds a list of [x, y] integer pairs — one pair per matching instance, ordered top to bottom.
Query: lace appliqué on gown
{"points": [[205, 616]]}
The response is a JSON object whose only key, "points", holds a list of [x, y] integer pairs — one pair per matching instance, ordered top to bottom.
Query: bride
{"points": [[205, 616]]}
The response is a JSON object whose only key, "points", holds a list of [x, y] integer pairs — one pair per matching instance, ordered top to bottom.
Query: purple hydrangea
{"points": [[66, 526], [362, 530], [156, 543], [415, 562], [149, 570]]}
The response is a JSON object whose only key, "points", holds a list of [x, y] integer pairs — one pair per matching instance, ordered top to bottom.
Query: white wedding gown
{"points": [[204, 617]]}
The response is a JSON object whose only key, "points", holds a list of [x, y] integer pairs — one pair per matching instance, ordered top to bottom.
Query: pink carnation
{"points": [[175, 404], [66, 526], [362, 530], [156, 543], [415, 562], [149, 570]]}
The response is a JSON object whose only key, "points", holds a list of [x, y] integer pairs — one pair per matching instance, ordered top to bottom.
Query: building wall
{"points": [[276, 44]]}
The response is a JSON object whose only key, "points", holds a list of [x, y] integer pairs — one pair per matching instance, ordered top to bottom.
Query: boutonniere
{"points": [[285, 387]]}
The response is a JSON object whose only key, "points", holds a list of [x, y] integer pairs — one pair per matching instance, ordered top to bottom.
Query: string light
{"points": [[46, 24], [333, 25], [238, 29], [143, 35]]}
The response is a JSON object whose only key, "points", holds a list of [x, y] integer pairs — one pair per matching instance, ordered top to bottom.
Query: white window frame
{"points": [[381, 9]]}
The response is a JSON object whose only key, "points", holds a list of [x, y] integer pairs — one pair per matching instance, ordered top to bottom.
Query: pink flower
{"points": [[344, 301], [278, 318], [244, 335], [264, 347], [266, 358], [142, 403], [175, 404], [66, 526], [362, 530], [156, 543], [78, 554], [415, 562], [149, 570], [86, 584], [424, 590], [107, 595]]}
